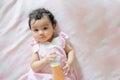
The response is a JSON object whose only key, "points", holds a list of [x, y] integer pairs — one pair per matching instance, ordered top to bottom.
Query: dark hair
{"points": [[39, 13]]}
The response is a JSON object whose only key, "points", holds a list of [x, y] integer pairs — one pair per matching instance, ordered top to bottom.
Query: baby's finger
{"points": [[53, 53], [51, 59], [65, 67], [67, 71]]}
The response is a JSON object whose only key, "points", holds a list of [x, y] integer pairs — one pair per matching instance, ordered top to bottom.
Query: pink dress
{"points": [[58, 45]]}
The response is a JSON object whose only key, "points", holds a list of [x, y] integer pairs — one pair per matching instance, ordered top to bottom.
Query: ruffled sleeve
{"points": [[64, 37], [35, 46]]}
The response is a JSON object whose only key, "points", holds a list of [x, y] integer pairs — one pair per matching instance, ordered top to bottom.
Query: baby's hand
{"points": [[50, 57], [67, 68]]}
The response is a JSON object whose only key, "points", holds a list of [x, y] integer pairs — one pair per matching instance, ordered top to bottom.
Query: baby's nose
{"points": [[40, 32]]}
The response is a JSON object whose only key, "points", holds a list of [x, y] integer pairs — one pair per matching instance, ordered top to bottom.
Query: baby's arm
{"points": [[70, 55], [37, 64]]}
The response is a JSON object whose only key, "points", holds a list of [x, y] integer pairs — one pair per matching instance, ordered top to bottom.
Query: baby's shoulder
{"points": [[61, 39]]}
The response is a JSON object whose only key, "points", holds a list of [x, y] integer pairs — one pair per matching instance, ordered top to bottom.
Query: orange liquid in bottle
{"points": [[57, 73]]}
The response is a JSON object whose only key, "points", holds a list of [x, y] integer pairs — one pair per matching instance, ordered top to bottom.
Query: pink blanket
{"points": [[93, 27]]}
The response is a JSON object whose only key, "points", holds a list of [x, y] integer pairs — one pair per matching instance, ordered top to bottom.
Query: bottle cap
{"points": [[56, 62]]}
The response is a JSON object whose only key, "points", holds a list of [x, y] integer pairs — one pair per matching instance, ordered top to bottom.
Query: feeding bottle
{"points": [[57, 71]]}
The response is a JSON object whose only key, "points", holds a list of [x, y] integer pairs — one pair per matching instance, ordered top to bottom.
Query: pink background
{"points": [[92, 25]]}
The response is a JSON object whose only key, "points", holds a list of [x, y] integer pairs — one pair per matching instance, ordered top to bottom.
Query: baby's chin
{"points": [[41, 41]]}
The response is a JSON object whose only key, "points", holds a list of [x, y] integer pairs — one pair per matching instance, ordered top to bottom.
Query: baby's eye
{"points": [[45, 28], [35, 30]]}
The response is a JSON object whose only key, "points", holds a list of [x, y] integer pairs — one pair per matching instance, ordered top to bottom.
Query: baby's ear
{"points": [[54, 26], [55, 33]]}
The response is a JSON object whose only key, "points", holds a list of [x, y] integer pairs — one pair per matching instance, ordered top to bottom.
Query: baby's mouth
{"points": [[41, 37]]}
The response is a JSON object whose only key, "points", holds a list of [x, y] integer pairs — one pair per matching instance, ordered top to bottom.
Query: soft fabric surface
{"points": [[92, 25]]}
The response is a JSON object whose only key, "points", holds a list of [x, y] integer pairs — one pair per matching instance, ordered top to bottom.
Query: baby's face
{"points": [[42, 29]]}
